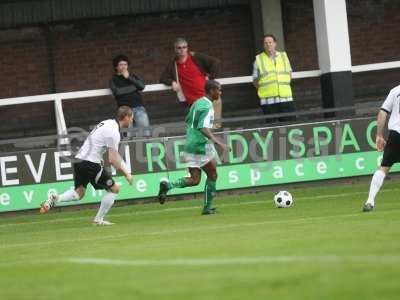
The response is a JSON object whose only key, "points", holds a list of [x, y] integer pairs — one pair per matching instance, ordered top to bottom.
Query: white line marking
{"points": [[236, 260], [213, 261]]}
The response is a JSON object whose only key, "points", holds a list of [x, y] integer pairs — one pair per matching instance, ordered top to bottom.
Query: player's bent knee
{"points": [[385, 170], [195, 180], [114, 188], [81, 192]]}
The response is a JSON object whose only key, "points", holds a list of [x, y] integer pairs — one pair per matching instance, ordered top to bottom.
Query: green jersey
{"points": [[201, 115]]}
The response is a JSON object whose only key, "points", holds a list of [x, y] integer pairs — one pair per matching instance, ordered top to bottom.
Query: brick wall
{"points": [[374, 30], [301, 47], [81, 52], [24, 63], [24, 72]]}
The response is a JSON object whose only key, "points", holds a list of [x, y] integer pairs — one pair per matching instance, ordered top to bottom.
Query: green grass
{"points": [[322, 248]]}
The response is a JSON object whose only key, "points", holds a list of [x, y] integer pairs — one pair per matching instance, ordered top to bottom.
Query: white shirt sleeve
{"points": [[389, 102], [112, 140]]}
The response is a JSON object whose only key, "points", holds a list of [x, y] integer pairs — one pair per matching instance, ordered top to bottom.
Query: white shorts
{"points": [[200, 160]]}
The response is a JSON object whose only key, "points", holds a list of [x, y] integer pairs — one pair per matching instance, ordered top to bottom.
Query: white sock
{"points": [[376, 183], [70, 195], [106, 203]]}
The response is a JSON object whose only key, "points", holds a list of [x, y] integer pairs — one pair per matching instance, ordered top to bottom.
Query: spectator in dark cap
{"points": [[126, 88]]}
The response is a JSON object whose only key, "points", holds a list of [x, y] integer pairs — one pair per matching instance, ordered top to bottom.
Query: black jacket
{"points": [[127, 90]]}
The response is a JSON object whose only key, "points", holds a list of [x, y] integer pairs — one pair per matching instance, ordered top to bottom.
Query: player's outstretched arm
{"points": [[119, 164]]}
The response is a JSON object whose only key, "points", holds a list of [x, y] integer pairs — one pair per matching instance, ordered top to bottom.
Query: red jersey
{"points": [[191, 79]]}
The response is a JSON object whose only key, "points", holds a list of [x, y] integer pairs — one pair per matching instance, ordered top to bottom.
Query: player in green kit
{"points": [[199, 150]]}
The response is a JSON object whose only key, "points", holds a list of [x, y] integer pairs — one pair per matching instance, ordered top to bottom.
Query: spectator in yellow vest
{"points": [[272, 74]]}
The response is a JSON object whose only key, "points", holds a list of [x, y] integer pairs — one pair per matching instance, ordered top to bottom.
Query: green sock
{"points": [[180, 183], [209, 193]]}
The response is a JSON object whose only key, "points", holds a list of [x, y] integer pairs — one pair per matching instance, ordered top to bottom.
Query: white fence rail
{"points": [[59, 97]]}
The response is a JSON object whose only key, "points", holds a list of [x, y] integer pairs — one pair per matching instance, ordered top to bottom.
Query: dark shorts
{"points": [[391, 154], [87, 171]]}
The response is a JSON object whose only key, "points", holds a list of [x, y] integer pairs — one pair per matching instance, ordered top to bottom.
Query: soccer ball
{"points": [[283, 199]]}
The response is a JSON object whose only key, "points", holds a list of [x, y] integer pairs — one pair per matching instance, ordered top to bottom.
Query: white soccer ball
{"points": [[283, 199]]}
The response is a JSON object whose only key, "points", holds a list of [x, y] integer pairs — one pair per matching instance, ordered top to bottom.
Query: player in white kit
{"points": [[391, 148], [88, 167]]}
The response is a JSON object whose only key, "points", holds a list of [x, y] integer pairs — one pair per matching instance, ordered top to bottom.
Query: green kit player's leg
{"points": [[183, 182], [180, 183], [166, 186], [209, 194]]}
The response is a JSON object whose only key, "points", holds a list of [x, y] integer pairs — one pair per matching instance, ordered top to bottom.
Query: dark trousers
{"points": [[283, 107]]}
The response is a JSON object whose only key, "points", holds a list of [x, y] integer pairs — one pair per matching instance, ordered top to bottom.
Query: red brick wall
{"points": [[299, 30], [374, 31], [148, 41], [301, 47], [82, 52], [23, 61], [24, 72]]}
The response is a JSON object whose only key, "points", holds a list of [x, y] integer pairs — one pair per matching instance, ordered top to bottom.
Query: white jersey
{"points": [[391, 105], [105, 135]]}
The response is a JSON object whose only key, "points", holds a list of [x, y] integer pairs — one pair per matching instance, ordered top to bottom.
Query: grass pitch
{"points": [[322, 248]]}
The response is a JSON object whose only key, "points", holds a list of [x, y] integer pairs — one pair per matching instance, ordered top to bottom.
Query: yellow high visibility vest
{"points": [[274, 79]]}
